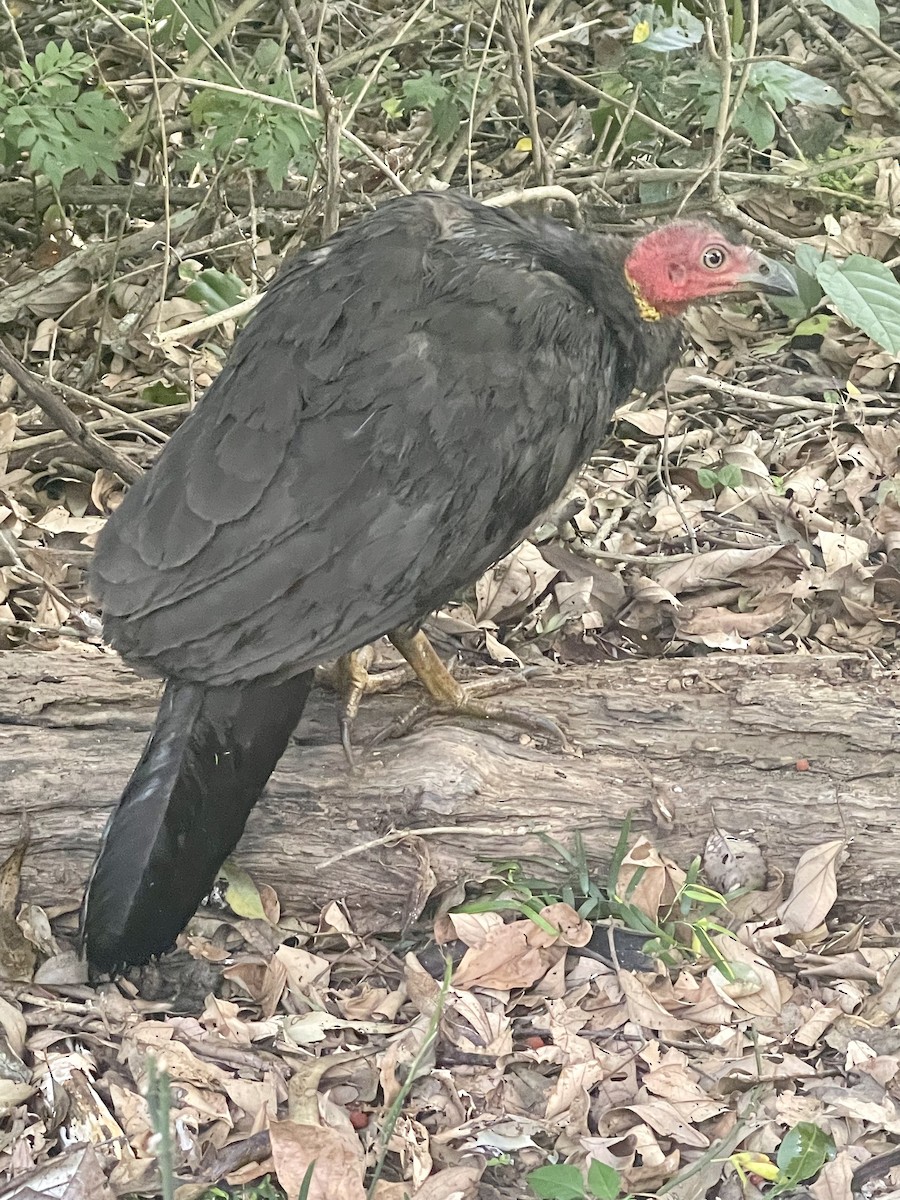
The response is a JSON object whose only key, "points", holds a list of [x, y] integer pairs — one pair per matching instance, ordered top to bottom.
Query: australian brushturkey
{"points": [[404, 403]]}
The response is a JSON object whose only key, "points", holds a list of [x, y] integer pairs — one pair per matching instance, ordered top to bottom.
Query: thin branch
{"points": [[840, 51], [724, 61], [598, 94], [330, 107], [542, 165], [534, 195], [210, 321], [60, 414]]}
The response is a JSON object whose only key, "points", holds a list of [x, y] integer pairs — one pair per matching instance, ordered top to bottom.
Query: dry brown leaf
{"points": [[719, 565], [511, 585], [723, 629], [659, 879], [815, 888], [573, 929], [511, 956], [304, 970], [756, 990], [645, 1010], [337, 1158], [75, 1175], [835, 1180], [454, 1183]]}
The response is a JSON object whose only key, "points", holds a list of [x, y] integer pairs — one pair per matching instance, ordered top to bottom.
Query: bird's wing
{"points": [[404, 402]]}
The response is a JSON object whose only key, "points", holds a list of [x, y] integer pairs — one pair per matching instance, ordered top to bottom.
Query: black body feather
{"points": [[405, 402]]}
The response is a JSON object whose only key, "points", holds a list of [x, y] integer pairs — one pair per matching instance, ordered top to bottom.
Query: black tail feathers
{"points": [[182, 812]]}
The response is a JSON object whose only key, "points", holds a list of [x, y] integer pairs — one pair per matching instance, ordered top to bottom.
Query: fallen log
{"points": [[798, 750]]}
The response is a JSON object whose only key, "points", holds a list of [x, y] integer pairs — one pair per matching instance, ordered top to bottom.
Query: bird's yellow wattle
{"points": [[645, 308]]}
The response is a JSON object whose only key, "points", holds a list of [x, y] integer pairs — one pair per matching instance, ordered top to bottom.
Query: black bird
{"points": [[404, 403]]}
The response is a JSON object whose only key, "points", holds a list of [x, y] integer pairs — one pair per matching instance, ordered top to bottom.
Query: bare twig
{"points": [[873, 39], [724, 58], [850, 61], [590, 90], [330, 107], [477, 113], [132, 136], [542, 166], [537, 194], [21, 195], [725, 206], [211, 321], [795, 403], [65, 419], [55, 437], [400, 835]]}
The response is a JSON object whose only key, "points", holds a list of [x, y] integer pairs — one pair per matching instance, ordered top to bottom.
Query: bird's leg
{"points": [[349, 677], [447, 695]]}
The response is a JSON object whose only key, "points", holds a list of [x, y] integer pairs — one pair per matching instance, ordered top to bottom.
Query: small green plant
{"points": [[447, 99], [51, 121], [245, 128], [215, 290], [726, 476], [566, 878], [685, 930], [159, 1102], [803, 1152], [562, 1181], [264, 1189]]}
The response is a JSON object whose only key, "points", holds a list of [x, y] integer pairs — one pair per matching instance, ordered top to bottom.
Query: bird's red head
{"points": [[670, 268]]}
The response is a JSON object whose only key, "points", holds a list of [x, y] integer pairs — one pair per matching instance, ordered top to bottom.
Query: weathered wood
{"points": [[715, 740]]}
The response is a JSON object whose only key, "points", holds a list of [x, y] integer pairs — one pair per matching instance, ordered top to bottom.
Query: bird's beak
{"points": [[766, 275]]}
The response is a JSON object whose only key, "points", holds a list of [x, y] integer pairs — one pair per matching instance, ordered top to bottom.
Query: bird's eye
{"points": [[714, 257]]}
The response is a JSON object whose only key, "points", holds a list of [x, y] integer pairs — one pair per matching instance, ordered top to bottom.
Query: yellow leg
{"points": [[448, 695]]}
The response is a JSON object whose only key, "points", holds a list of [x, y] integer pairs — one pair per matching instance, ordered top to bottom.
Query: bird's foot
{"points": [[349, 676], [455, 699]]}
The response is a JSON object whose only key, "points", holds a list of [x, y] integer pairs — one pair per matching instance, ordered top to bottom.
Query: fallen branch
{"points": [[800, 750]]}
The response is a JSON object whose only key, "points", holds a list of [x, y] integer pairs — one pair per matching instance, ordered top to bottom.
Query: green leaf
{"points": [[861, 12], [737, 22], [684, 31], [782, 82], [423, 91], [753, 117], [445, 119], [808, 258], [216, 290], [867, 294], [816, 326], [164, 394], [730, 476], [707, 478], [241, 894], [702, 895], [803, 1152], [561, 1181], [603, 1181], [306, 1183]]}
